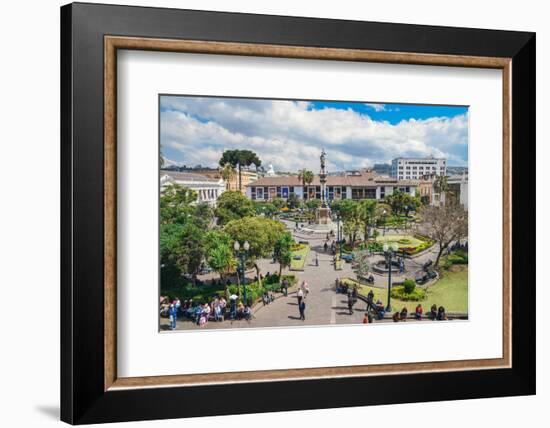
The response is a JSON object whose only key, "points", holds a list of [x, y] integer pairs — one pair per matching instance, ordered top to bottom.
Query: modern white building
{"points": [[415, 168], [208, 189]]}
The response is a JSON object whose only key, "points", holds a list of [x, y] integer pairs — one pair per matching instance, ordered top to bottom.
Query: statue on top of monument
{"points": [[323, 156]]}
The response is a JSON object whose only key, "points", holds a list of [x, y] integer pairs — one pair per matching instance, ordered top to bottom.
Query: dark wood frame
{"points": [[90, 35]]}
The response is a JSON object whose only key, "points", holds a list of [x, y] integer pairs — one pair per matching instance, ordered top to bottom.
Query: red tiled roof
{"points": [[363, 180]]}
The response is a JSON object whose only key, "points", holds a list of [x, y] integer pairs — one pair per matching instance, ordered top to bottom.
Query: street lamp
{"points": [[384, 217], [339, 234], [389, 251], [242, 257]]}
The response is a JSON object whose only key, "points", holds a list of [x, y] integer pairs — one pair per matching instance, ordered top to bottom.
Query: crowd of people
{"points": [[217, 309], [376, 310]]}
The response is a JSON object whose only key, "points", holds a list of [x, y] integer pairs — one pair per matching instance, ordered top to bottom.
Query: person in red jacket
{"points": [[418, 312]]}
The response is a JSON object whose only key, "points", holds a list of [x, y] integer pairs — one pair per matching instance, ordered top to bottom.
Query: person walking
{"points": [[317, 259], [285, 287], [300, 295], [350, 303], [302, 309]]}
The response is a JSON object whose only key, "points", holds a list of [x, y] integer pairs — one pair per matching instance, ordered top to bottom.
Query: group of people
{"points": [[435, 314]]}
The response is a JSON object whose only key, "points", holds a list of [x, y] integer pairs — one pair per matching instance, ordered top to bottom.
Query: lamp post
{"points": [[384, 217], [339, 235], [389, 252], [242, 257]]}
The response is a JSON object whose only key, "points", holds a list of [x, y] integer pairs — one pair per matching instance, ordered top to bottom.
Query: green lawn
{"points": [[411, 241], [299, 264], [450, 291]]}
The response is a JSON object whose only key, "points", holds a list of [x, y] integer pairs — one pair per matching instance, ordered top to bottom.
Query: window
{"points": [[259, 192], [370, 193]]}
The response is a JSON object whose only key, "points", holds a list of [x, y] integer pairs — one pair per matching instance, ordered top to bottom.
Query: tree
{"points": [[238, 159], [227, 172], [306, 177], [292, 202], [176, 203], [278, 203], [313, 204], [233, 205], [266, 208], [349, 212], [368, 216], [444, 225], [260, 232], [182, 247], [283, 251], [219, 253], [361, 264]]}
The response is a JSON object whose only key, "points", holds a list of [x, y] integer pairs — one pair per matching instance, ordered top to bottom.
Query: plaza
{"points": [[348, 261]]}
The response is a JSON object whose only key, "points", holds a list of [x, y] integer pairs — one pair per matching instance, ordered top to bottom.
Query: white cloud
{"points": [[376, 107], [290, 135]]}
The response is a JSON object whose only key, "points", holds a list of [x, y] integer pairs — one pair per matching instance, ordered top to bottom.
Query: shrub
{"points": [[459, 257], [409, 285], [417, 295]]}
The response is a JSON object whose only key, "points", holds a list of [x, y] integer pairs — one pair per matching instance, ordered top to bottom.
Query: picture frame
{"points": [[91, 391]]}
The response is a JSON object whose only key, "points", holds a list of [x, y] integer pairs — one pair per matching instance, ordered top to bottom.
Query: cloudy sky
{"points": [[290, 134]]}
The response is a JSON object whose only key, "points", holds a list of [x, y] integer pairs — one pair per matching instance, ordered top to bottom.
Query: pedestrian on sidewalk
{"points": [[317, 259], [285, 287], [300, 295], [350, 303], [302, 308]]}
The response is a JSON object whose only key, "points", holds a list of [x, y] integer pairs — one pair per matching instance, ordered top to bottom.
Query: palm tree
{"points": [[228, 173], [306, 177]]}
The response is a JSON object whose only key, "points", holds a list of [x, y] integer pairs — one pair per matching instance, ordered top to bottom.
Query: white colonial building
{"points": [[415, 168], [365, 184], [458, 188], [208, 189]]}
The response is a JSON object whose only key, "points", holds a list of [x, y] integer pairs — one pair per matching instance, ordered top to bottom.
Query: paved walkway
{"points": [[323, 305]]}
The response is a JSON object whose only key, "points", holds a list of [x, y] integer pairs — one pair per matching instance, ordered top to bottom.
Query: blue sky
{"points": [[394, 113], [290, 134]]}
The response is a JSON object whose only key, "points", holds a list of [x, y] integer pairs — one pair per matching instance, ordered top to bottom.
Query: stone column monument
{"points": [[323, 212]]}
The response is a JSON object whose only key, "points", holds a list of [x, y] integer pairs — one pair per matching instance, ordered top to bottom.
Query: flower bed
{"points": [[299, 256]]}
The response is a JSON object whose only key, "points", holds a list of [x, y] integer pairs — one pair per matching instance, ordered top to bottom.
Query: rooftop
{"points": [[187, 176], [363, 179]]}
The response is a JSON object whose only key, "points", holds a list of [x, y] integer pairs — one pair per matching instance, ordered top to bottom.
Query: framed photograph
{"points": [[279, 213]]}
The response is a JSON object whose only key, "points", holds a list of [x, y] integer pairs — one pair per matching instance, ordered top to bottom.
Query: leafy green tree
{"points": [[239, 159], [292, 202], [278, 203], [402, 203], [176, 204], [313, 204], [233, 205], [266, 208], [349, 212], [368, 215], [260, 232], [182, 247], [283, 251], [219, 253], [361, 264]]}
